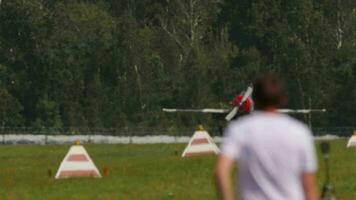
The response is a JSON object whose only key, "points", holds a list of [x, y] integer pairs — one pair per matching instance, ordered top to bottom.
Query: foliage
{"points": [[111, 63]]}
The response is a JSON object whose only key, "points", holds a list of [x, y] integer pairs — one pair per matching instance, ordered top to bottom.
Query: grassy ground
{"points": [[135, 172]]}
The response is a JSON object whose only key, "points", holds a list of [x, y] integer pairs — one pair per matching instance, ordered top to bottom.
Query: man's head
{"points": [[269, 92]]}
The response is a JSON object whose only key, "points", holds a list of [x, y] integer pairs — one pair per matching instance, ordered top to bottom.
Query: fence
{"points": [[137, 131], [318, 131], [345, 131], [128, 136]]}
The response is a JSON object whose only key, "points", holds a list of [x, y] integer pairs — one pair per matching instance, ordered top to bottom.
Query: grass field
{"points": [[135, 172]]}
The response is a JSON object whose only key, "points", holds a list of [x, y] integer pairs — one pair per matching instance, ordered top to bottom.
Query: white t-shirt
{"points": [[272, 150]]}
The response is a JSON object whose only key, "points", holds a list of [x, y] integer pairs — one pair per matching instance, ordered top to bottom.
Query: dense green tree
{"points": [[109, 63]]}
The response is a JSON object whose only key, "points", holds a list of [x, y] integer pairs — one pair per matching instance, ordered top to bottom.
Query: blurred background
{"points": [[73, 66]]}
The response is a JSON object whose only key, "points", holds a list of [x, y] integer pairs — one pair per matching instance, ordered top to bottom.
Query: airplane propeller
{"points": [[234, 111]]}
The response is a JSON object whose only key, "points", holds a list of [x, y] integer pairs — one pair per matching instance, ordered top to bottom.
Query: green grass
{"points": [[135, 172]]}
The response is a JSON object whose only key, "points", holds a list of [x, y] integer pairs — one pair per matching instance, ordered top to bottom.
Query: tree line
{"points": [[115, 64]]}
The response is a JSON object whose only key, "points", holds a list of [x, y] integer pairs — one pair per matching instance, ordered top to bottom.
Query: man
{"points": [[275, 153]]}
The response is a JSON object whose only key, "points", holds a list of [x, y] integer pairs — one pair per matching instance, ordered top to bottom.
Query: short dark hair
{"points": [[268, 91]]}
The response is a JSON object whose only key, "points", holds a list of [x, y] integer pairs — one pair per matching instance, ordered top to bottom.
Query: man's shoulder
{"points": [[257, 118], [241, 121], [246, 121], [295, 123], [238, 125], [296, 128]]}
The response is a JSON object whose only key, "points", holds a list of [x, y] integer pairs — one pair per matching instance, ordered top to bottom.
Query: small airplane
{"points": [[242, 104]]}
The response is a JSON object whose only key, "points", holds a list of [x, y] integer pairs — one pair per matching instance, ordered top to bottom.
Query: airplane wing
{"points": [[205, 110], [224, 111], [302, 111]]}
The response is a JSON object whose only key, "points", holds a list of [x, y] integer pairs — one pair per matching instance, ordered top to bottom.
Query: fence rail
{"points": [[100, 131], [318, 131], [338, 131], [128, 136]]}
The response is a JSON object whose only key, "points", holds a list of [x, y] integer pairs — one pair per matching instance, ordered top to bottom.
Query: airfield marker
{"points": [[352, 141], [200, 144], [77, 163]]}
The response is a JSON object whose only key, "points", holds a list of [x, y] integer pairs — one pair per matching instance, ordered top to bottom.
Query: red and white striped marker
{"points": [[352, 141], [200, 144], [77, 163]]}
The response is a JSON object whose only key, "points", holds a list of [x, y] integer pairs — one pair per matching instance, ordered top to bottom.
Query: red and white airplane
{"points": [[242, 104]]}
